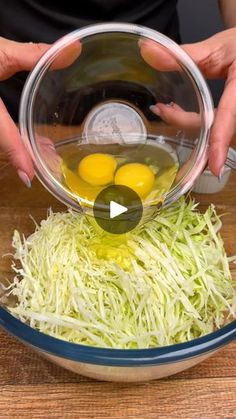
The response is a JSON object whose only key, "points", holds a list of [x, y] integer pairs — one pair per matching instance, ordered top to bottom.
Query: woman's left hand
{"points": [[216, 57]]}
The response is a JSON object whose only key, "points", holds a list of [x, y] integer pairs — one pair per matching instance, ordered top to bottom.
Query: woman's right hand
{"points": [[15, 57]]}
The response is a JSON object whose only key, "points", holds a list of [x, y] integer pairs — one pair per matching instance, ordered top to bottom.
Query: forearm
{"points": [[228, 11]]}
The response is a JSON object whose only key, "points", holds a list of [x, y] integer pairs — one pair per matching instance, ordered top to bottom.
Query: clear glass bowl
{"points": [[96, 85]]}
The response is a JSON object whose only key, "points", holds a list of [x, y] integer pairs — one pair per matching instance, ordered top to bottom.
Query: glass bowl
{"points": [[97, 89], [105, 364]]}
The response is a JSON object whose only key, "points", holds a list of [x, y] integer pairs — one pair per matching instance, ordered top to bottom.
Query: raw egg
{"points": [[97, 169], [136, 176], [79, 187]]}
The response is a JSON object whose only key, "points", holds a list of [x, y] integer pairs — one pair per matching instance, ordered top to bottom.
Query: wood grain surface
{"points": [[31, 387]]}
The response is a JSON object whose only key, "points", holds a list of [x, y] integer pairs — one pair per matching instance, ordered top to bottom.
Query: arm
{"points": [[228, 11]]}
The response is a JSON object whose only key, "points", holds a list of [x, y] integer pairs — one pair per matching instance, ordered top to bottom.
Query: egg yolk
{"points": [[97, 169], [136, 176], [78, 186]]}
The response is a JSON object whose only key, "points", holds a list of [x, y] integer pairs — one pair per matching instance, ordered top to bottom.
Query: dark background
{"points": [[200, 19]]}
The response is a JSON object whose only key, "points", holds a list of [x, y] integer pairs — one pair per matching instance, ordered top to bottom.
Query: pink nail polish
{"points": [[142, 42], [171, 104], [155, 109], [52, 147], [222, 172], [24, 177]]}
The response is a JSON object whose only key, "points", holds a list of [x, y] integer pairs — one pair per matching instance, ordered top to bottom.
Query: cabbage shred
{"points": [[164, 283]]}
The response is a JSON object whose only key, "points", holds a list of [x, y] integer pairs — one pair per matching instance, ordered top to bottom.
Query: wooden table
{"points": [[31, 387]]}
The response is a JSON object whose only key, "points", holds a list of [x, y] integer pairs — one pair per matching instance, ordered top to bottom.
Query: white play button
{"points": [[116, 209]]}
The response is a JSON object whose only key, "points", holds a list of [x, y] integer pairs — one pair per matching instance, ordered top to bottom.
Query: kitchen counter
{"points": [[31, 387]]}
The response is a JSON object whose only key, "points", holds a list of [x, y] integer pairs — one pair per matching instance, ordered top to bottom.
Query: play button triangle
{"points": [[116, 209]]}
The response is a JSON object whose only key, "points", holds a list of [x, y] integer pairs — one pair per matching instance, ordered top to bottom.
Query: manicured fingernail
{"points": [[142, 42], [171, 104], [155, 109], [222, 172], [24, 177]]}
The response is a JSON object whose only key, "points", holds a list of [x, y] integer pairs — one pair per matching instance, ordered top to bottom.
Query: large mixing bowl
{"points": [[99, 85], [105, 364], [116, 364]]}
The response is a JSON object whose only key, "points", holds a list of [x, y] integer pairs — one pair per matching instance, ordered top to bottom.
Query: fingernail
{"points": [[142, 42], [171, 104], [155, 109], [52, 147], [222, 172], [24, 177]]}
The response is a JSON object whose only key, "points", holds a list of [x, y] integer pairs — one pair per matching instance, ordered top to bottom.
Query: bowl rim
{"points": [[33, 80], [117, 357]]}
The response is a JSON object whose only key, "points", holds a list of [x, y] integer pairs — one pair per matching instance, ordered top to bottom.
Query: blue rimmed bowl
{"points": [[116, 364]]}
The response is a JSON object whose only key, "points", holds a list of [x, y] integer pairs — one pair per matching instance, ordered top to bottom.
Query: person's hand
{"points": [[14, 57], [216, 57]]}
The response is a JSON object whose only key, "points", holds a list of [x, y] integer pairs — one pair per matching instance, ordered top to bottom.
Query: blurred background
{"points": [[199, 20]]}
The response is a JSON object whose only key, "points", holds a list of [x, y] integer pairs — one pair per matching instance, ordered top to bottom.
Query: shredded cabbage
{"points": [[164, 283]]}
